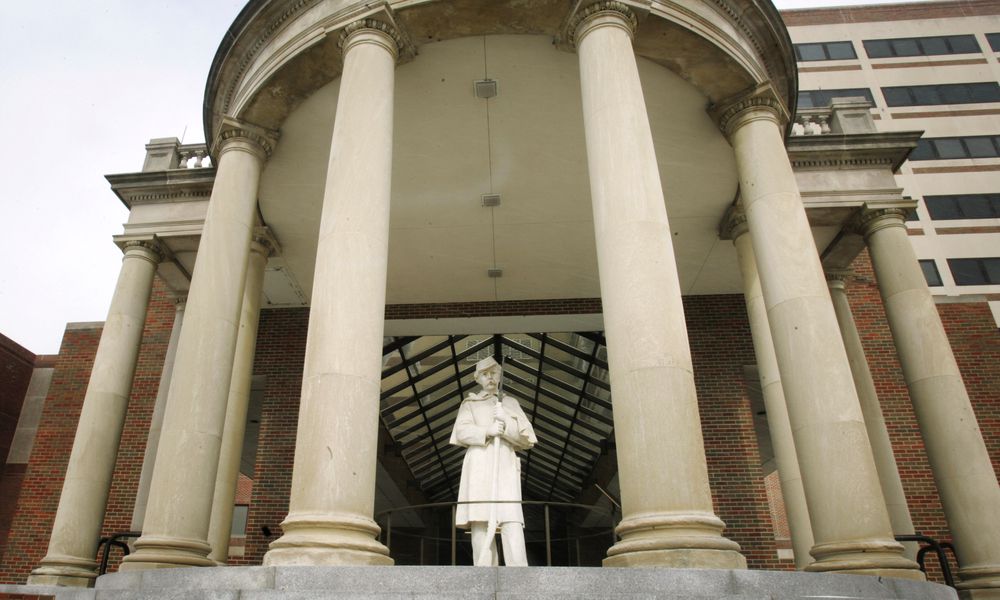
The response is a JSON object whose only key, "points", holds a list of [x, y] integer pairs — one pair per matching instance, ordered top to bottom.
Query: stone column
{"points": [[774, 396], [239, 401], [156, 422], [878, 435], [961, 464], [333, 483], [668, 519], [849, 520], [175, 529], [72, 547]]}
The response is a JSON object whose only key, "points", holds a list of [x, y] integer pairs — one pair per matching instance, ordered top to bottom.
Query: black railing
{"points": [[386, 516], [115, 539], [938, 548]]}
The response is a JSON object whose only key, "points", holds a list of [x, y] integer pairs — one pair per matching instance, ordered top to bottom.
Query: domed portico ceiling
{"points": [[279, 68]]}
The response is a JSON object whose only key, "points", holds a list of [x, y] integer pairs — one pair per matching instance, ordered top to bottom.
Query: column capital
{"points": [[597, 14], [381, 33], [757, 103], [256, 140], [869, 220], [734, 223], [264, 242], [152, 250], [838, 278]]}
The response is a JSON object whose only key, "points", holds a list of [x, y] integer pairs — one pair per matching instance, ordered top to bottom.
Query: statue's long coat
{"points": [[474, 418]]}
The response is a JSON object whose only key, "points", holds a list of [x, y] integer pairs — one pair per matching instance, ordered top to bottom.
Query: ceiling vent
{"points": [[486, 88], [491, 199]]}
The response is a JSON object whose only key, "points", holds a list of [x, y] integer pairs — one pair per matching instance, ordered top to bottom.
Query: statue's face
{"points": [[489, 379]]}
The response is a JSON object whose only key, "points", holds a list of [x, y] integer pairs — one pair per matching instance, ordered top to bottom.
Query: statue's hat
{"points": [[486, 364]]}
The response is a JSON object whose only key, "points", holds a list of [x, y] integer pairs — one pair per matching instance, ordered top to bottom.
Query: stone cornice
{"points": [[596, 9], [727, 114], [858, 150]]}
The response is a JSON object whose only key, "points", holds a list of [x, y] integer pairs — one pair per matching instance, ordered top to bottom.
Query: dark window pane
{"points": [[994, 40], [963, 44], [933, 45], [905, 47], [877, 48], [840, 50], [810, 52], [984, 92], [926, 94], [951, 94], [897, 96], [805, 100], [981, 147], [949, 148], [923, 151], [995, 202], [943, 207], [976, 207], [992, 267], [966, 271], [930, 272]]}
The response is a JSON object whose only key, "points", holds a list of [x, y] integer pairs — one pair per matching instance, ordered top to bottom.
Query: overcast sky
{"points": [[87, 85]]}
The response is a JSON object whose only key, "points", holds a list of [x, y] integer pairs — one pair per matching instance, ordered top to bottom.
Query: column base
{"points": [[328, 540], [692, 541], [162, 552], [879, 558], [68, 571], [979, 583]]}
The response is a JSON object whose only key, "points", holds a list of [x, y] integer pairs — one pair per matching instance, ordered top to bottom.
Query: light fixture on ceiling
{"points": [[485, 88], [491, 199], [494, 272]]}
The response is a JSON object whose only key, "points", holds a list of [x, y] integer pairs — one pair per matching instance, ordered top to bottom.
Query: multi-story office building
{"points": [[935, 67]]}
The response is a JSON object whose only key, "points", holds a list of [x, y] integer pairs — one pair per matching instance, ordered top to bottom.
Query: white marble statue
{"points": [[492, 431]]}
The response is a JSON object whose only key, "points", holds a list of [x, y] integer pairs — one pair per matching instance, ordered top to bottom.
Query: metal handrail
{"points": [[387, 514], [113, 540], [938, 548]]}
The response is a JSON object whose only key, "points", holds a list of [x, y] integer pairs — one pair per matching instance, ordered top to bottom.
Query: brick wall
{"points": [[721, 347], [46, 468]]}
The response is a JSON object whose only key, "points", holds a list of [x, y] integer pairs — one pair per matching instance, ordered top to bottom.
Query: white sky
{"points": [[87, 85]]}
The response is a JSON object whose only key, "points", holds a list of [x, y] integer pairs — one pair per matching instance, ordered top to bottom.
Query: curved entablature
{"points": [[276, 54]]}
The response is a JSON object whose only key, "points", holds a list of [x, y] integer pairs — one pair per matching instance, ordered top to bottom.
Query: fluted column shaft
{"points": [[774, 402], [156, 421], [234, 430], [878, 435], [955, 448], [333, 483], [668, 517], [849, 520], [175, 529], [70, 559]]}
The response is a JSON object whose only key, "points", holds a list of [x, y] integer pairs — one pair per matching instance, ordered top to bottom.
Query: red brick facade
{"points": [[721, 347]]}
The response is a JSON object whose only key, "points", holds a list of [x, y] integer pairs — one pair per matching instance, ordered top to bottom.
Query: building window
{"points": [[994, 40], [922, 46], [824, 51], [954, 93], [821, 98], [977, 146], [963, 206], [975, 271], [931, 273], [239, 528]]}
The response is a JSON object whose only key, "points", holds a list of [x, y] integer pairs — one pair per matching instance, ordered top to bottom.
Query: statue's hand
{"points": [[499, 413], [496, 429]]}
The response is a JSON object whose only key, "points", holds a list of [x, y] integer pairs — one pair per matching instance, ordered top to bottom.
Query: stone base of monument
{"points": [[439, 583]]}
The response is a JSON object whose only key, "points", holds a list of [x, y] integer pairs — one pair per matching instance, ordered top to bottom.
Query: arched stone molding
{"points": [[277, 54]]}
